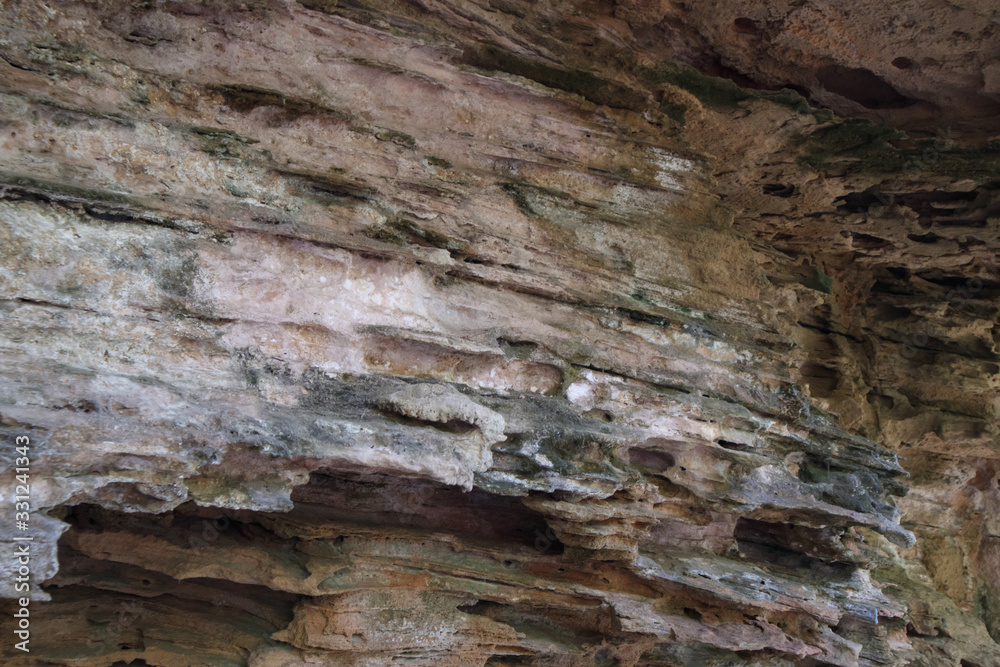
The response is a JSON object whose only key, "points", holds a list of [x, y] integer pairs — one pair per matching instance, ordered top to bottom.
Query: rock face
{"points": [[495, 332]]}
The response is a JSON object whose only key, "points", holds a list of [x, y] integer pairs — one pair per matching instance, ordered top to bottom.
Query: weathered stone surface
{"points": [[502, 333]]}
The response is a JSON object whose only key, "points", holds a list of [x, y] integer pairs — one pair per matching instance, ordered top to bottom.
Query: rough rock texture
{"points": [[495, 332]]}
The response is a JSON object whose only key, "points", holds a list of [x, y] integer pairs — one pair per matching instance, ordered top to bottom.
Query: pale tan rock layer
{"points": [[503, 333]]}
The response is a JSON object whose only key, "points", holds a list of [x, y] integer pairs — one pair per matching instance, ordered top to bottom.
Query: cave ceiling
{"points": [[495, 332]]}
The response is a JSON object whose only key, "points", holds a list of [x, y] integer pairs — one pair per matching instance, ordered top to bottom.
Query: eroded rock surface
{"points": [[503, 333]]}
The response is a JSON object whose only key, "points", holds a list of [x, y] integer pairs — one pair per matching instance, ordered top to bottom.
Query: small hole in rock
{"points": [[745, 26], [779, 190], [735, 446], [651, 459]]}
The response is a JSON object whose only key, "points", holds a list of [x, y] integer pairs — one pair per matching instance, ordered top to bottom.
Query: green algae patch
{"points": [[63, 56], [579, 82], [712, 91], [718, 93], [675, 111], [396, 137], [856, 139], [219, 142], [869, 148], [437, 162], [981, 163], [516, 191], [531, 199], [386, 236], [819, 281], [640, 295]]}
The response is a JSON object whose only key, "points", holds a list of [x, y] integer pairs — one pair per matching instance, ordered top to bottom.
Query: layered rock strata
{"points": [[502, 333]]}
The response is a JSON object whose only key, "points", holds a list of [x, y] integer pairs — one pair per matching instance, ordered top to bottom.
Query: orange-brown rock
{"points": [[493, 332]]}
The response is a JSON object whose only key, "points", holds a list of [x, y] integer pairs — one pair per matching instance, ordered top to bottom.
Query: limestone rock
{"points": [[493, 332]]}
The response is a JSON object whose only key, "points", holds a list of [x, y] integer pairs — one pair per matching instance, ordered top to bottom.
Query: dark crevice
{"points": [[862, 86]]}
